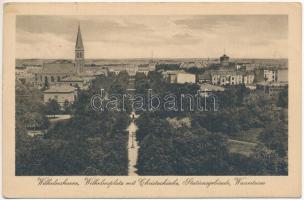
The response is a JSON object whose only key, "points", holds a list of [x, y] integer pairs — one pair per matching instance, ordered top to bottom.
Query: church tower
{"points": [[79, 53]]}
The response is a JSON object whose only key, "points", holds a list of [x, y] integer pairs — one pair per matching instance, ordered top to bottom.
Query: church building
{"points": [[54, 72]]}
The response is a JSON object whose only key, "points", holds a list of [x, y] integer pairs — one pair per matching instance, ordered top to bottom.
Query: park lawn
{"points": [[251, 135], [245, 142], [241, 147]]}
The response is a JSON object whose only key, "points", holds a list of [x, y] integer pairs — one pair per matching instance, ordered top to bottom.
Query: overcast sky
{"points": [[167, 36]]}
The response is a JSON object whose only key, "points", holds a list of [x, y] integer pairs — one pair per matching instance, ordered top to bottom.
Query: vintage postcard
{"points": [[148, 100]]}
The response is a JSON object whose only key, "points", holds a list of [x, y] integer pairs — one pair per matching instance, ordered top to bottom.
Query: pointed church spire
{"points": [[79, 44], [79, 53]]}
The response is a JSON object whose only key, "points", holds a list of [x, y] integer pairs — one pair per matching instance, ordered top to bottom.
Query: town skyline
{"points": [[158, 37], [143, 107]]}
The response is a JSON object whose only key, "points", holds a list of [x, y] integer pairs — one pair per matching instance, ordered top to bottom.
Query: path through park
{"points": [[132, 146]]}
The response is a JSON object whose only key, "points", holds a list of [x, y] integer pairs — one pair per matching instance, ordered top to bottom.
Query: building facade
{"points": [[224, 61], [52, 73], [267, 75], [270, 75], [282, 75], [183, 77], [226, 77], [231, 77], [248, 78], [73, 81], [208, 89], [271, 89], [61, 94]]}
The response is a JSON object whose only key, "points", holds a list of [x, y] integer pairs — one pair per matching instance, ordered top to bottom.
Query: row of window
{"points": [[79, 54], [52, 78]]}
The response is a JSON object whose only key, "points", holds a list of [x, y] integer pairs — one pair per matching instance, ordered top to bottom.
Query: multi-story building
{"points": [[224, 61], [152, 66], [245, 66], [33, 68], [144, 68], [94, 70], [20, 71], [114, 71], [54, 72], [28, 73], [170, 75], [267, 75], [270, 75], [282, 75], [179, 76], [183, 77], [205, 77], [226, 77], [231, 77], [26, 78], [248, 78], [74, 81], [271, 89], [60, 94]]}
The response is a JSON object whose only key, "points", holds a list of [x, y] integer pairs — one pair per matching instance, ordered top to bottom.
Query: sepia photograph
{"points": [[152, 95], [152, 100]]}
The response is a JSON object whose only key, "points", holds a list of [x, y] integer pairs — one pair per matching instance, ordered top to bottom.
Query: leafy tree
{"points": [[165, 66], [195, 70], [141, 83], [283, 98], [52, 107], [67, 107], [239, 110], [35, 121], [275, 137], [90, 143], [155, 157]]}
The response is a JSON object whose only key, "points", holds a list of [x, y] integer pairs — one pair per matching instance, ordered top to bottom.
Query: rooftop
{"points": [[79, 44], [224, 56], [59, 68], [173, 71], [225, 72], [185, 73], [205, 75], [72, 78], [275, 84], [209, 87], [60, 89]]}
